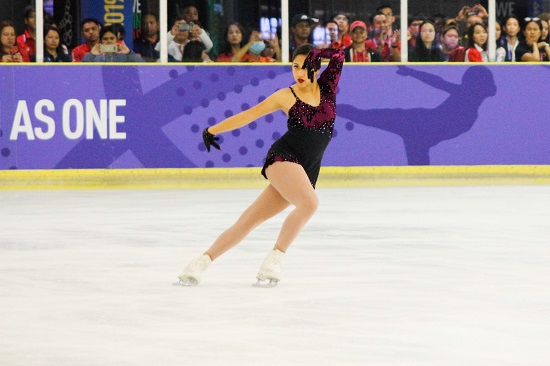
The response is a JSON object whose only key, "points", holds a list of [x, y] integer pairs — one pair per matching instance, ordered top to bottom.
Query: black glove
{"points": [[312, 63], [210, 140]]}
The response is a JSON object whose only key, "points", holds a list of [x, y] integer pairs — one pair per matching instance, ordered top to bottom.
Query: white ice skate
{"points": [[270, 270], [191, 275]]}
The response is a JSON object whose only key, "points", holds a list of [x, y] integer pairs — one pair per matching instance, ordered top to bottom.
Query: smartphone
{"points": [[185, 27], [108, 48]]}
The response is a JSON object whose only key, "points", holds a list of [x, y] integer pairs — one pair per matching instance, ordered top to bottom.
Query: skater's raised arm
{"points": [[331, 75]]}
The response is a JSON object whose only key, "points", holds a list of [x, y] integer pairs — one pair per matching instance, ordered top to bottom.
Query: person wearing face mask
{"points": [[251, 51], [292, 164]]}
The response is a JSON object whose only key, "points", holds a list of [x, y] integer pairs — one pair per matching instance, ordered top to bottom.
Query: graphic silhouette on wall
{"points": [[423, 128]]}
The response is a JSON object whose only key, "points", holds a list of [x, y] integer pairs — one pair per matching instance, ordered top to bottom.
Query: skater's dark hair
{"points": [[304, 49]]}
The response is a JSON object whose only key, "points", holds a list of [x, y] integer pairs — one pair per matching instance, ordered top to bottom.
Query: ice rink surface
{"points": [[380, 276]]}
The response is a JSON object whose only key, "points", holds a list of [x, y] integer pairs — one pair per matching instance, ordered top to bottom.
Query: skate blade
{"points": [[188, 282], [270, 284]]}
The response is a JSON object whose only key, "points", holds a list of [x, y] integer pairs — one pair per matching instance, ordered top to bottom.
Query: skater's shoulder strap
{"points": [[295, 96]]}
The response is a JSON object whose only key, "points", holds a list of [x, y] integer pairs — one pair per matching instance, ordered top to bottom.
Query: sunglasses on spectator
{"points": [[531, 19]]}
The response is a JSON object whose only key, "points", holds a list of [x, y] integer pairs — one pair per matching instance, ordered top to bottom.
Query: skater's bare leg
{"points": [[292, 182], [267, 205]]}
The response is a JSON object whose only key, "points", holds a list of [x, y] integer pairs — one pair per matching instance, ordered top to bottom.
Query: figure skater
{"points": [[292, 164]]}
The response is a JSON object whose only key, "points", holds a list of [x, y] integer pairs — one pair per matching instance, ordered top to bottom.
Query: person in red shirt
{"points": [[90, 29], [344, 39], [27, 40], [233, 42], [477, 44], [388, 47], [9, 51], [251, 51], [358, 52]]}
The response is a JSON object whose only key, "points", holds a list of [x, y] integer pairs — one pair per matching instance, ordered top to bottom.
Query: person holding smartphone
{"points": [[192, 32], [111, 48], [9, 51]]}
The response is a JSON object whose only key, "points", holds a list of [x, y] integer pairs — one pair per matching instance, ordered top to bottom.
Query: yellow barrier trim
{"points": [[212, 178]]}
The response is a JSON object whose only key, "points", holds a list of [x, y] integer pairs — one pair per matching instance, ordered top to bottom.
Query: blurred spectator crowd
{"points": [[460, 38]]}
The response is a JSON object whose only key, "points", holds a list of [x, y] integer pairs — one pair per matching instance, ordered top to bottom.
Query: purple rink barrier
{"points": [[120, 116]]}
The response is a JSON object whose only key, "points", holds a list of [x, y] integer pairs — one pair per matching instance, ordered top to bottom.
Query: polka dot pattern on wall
{"points": [[173, 74], [349, 126], [244, 146], [5, 152]]}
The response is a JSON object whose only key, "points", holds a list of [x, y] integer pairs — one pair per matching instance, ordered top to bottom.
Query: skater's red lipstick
{"points": [[301, 80]]}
